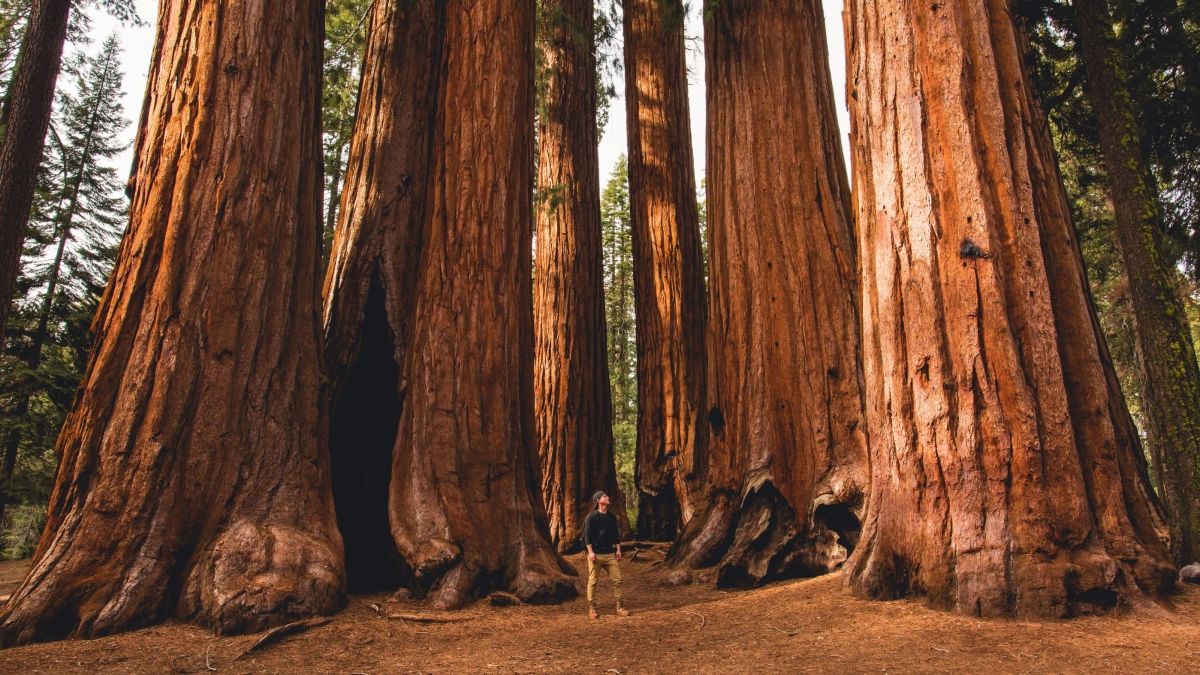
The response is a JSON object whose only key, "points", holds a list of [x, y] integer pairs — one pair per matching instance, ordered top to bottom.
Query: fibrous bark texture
{"points": [[25, 121], [668, 269], [370, 283], [433, 359], [1170, 377], [572, 400], [786, 455], [1007, 478], [193, 480]]}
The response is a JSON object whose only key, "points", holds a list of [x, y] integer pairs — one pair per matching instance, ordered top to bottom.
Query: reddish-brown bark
{"points": [[26, 117], [668, 267], [370, 283], [429, 309], [572, 400], [786, 459], [1007, 475], [194, 480]]}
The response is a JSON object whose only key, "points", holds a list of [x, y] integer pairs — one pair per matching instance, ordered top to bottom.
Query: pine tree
{"points": [[345, 37], [77, 217]]}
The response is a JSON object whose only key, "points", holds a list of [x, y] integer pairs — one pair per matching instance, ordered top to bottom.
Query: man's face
{"points": [[603, 501]]}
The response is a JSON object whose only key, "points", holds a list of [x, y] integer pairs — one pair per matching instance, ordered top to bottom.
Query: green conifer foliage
{"points": [[78, 215]]}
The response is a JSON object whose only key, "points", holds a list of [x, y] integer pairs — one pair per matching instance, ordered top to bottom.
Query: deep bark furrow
{"points": [[983, 327]]}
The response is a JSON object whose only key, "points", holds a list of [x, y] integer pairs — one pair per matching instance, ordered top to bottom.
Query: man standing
{"points": [[601, 535]]}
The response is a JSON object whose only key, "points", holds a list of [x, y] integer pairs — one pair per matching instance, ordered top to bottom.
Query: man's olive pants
{"points": [[608, 563]]}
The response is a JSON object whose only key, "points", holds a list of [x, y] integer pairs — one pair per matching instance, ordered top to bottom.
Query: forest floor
{"points": [[810, 625]]}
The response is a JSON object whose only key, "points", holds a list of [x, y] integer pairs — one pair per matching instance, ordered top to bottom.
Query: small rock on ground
{"points": [[1190, 574], [679, 578]]}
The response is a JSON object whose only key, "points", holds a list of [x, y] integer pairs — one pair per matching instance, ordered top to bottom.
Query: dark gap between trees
{"points": [[362, 435]]}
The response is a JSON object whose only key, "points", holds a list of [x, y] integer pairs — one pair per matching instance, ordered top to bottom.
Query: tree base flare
{"points": [[761, 539], [251, 578]]}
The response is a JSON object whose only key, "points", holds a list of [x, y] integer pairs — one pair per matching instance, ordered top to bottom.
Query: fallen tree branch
{"points": [[427, 618], [278, 632]]}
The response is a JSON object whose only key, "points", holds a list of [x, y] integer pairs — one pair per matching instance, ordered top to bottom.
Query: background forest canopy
{"points": [[80, 208]]}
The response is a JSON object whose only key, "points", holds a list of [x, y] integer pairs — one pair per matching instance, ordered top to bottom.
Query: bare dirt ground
{"points": [[809, 625]]}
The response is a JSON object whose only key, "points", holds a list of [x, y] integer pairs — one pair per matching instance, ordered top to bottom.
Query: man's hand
{"points": [[591, 553], [618, 553]]}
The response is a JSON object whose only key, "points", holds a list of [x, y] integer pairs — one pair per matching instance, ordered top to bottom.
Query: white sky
{"points": [[139, 41]]}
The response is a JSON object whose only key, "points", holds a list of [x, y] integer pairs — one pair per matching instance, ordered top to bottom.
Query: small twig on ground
{"points": [[425, 618], [702, 619], [278, 632], [789, 633], [947, 651], [208, 659]]}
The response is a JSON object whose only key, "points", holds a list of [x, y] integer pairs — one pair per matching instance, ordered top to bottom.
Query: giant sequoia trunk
{"points": [[26, 117], [668, 270], [370, 283], [429, 313], [1170, 377], [572, 399], [786, 455], [1007, 478], [193, 480]]}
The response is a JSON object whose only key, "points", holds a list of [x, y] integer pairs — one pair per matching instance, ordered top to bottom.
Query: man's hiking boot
{"points": [[621, 611], [593, 614]]}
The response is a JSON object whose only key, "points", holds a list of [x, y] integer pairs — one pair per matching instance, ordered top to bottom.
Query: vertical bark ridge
{"points": [[668, 270], [573, 402], [198, 433], [786, 461], [1006, 477]]}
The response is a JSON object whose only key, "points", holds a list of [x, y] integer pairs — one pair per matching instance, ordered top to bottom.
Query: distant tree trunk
{"points": [[27, 117], [331, 204], [668, 268], [429, 308], [1170, 377], [571, 395], [786, 460], [1007, 474], [193, 480]]}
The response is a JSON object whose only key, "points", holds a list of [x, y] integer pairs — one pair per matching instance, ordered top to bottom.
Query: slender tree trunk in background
{"points": [[27, 112], [331, 204], [668, 268], [370, 282], [429, 314], [1170, 377], [571, 395], [198, 433], [786, 460], [1007, 474]]}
